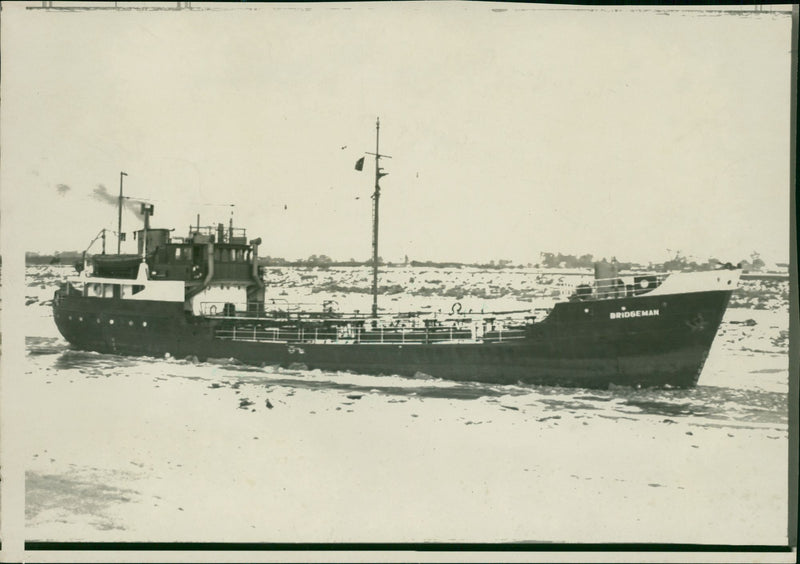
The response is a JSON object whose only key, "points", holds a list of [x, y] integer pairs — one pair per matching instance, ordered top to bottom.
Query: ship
{"points": [[202, 296]]}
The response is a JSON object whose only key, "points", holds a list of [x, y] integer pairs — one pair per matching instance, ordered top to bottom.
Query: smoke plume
{"points": [[101, 194]]}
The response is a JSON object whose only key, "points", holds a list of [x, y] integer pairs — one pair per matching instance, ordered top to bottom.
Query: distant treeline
{"points": [[67, 257], [547, 260], [558, 260], [323, 262], [680, 262]]}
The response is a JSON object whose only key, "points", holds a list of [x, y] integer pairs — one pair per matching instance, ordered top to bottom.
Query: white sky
{"points": [[513, 129]]}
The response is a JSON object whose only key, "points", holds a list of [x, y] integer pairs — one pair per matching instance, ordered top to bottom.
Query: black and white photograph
{"points": [[397, 274]]}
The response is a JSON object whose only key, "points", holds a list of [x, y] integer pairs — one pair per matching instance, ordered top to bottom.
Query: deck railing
{"points": [[590, 289], [295, 311], [366, 335]]}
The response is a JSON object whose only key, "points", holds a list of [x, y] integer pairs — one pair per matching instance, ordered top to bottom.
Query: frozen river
{"points": [[118, 446]]}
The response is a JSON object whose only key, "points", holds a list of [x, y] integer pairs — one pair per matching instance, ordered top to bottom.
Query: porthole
{"points": [[729, 282], [624, 308], [586, 310], [70, 318], [80, 318], [98, 320], [111, 322], [130, 322], [144, 323]]}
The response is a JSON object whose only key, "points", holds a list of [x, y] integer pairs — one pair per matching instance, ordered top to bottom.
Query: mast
{"points": [[375, 200], [119, 213]]}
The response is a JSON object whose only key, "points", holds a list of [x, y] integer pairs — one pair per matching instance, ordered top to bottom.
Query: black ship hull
{"points": [[659, 341]]}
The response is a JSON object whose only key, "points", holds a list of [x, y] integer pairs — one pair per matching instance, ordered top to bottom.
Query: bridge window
{"points": [[183, 253]]}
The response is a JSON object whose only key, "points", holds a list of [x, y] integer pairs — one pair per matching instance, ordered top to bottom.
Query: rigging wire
{"points": [[194, 203]]}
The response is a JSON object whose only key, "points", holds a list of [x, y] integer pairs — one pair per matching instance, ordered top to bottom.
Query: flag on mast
{"points": [[360, 164]]}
